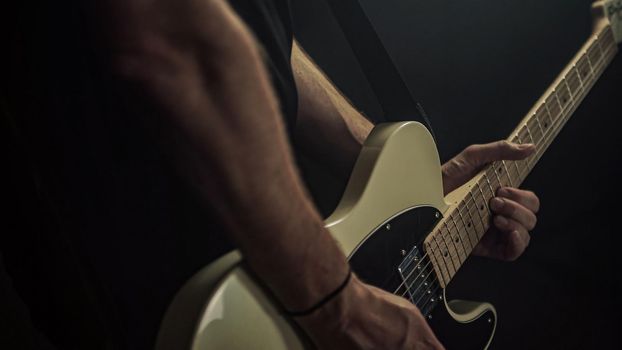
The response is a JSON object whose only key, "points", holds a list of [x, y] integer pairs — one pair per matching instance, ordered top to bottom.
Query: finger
{"points": [[500, 150], [525, 198], [510, 209], [513, 237], [516, 244]]}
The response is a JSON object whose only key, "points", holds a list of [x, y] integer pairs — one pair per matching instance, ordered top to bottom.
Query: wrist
{"points": [[323, 301], [334, 316]]}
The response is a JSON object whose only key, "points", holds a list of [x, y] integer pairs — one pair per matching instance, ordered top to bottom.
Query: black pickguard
{"points": [[377, 259]]}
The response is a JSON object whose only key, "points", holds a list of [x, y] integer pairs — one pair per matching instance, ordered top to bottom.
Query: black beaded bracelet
{"points": [[324, 300]]}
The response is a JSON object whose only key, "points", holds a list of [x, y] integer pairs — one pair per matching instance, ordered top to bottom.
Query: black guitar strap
{"points": [[394, 96]]}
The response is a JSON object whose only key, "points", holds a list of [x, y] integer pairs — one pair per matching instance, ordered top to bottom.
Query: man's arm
{"points": [[198, 67], [331, 131]]}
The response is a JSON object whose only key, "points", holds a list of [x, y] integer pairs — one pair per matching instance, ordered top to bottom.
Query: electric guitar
{"points": [[398, 230]]}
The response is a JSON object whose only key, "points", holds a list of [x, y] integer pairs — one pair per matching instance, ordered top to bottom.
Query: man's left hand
{"points": [[514, 210]]}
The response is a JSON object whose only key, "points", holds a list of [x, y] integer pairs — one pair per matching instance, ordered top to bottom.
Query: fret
{"points": [[597, 44], [594, 55], [598, 65], [584, 69], [592, 69], [582, 81], [574, 84], [563, 94], [553, 107], [543, 116], [537, 119], [533, 126], [529, 134], [523, 135], [524, 138], [543, 139], [531, 159], [522, 163], [518, 164], [494, 170], [515, 170], [508, 174], [502, 176], [495, 179], [489, 188], [482, 206], [474, 207], [464, 224], [468, 225], [478, 226], [460, 232], [445, 234], [452, 237], [458, 237], [453, 240], [435, 253], [442, 253], [446, 254]]}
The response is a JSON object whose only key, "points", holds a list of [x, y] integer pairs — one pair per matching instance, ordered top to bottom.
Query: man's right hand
{"points": [[366, 317]]}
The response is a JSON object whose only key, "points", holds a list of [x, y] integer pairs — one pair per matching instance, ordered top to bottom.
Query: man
{"points": [[197, 77]]}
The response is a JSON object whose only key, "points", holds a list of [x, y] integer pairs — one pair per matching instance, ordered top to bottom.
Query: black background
{"points": [[478, 67]]}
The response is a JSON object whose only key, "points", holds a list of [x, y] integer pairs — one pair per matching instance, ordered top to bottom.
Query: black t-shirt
{"points": [[272, 25], [111, 232]]}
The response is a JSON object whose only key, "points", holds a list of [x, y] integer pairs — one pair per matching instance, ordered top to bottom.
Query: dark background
{"points": [[478, 67]]}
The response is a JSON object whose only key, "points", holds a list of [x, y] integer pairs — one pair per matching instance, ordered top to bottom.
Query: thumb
{"points": [[500, 150]]}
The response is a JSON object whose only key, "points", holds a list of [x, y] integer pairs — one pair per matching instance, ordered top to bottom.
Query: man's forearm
{"points": [[203, 74], [329, 128]]}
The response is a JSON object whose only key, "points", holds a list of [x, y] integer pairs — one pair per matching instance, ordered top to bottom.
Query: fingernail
{"points": [[526, 146], [496, 204], [501, 221]]}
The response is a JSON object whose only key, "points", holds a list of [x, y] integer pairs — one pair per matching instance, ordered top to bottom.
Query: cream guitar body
{"points": [[391, 204], [395, 226]]}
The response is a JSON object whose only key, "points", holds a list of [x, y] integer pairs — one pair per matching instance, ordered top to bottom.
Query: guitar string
{"points": [[547, 136], [438, 250], [423, 284], [431, 296]]}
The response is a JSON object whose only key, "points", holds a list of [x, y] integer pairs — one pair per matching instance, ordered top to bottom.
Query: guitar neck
{"points": [[463, 226]]}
